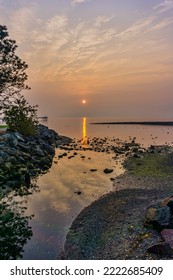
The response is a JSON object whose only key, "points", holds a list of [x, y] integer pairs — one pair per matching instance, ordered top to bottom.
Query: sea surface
{"points": [[69, 185]]}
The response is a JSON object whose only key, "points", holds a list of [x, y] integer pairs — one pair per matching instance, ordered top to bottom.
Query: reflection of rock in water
{"points": [[14, 232]]}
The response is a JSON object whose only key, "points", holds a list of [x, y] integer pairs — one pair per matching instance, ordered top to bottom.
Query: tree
{"points": [[12, 68], [19, 115]]}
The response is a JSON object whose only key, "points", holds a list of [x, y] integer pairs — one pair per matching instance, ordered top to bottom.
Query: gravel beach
{"points": [[112, 227]]}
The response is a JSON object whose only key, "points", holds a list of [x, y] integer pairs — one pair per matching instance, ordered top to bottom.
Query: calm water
{"points": [[144, 134], [55, 202]]}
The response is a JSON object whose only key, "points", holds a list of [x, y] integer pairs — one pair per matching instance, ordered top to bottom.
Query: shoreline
{"points": [[112, 226]]}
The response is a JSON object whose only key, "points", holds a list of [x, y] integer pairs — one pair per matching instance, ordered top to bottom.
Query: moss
{"points": [[151, 165]]}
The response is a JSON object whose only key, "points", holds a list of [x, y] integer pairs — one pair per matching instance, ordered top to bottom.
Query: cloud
{"points": [[76, 2], [164, 6], [102, 19], [56, 23], [162, 24], [136, 28]]}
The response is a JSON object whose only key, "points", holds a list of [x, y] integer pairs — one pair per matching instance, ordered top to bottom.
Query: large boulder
{"points": [[158, 217], [167, 235]]}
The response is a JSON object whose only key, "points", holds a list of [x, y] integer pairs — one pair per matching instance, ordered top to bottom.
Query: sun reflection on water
{"points": [[84, 130]]}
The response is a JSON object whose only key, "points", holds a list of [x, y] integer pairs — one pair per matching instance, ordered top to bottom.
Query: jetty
{"points": [[44, 118], [165, 123]]}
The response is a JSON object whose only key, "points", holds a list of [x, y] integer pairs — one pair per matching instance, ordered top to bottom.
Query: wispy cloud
{"points": [[76, 2], [164, 6], [102, 19], [162, 24], [137, 28], [63, 49]]}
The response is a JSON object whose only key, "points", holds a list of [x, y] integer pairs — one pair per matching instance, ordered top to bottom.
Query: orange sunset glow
{"points": [[119, 55]]}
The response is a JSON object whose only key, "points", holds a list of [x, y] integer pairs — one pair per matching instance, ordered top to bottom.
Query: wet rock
{"points": [[23, 147], [48, 148], [39, 151], [32, 154], [136, 155], [60, 156], [71, 157], [108, 170], [2, 178], [27, 179], [112, 179], [78, 192], [170, 203], [158, 217], [167, 235], [163, 249]]}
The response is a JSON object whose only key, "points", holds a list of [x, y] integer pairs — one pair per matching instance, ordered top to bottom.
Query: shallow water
{"points": [[70, 185], [64, 192]]}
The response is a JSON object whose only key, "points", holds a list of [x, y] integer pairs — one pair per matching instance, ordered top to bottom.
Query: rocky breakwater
{"points": [[22, 158]]}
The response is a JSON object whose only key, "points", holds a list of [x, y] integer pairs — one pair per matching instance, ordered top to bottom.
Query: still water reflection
{"points": [[84, 131], [65, 190]]}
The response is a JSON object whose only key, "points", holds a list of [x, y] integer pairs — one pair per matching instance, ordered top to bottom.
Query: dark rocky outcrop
{"points": [[24, 157], [160, 217]]}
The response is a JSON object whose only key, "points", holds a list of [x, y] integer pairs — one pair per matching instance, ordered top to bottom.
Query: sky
{"points": [[115, 54]]}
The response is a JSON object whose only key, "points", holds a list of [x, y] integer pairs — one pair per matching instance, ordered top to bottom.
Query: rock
{"points": [[19, 136], [24, 147], [48, 148], [38, 151], [32, 154], [136, 155], [8, 165], [93, 170], [108, 170], [17, 176], [2, 178], [27, 179], [112, 179], [78, 192], [170, 204], [158, 217], [167, 235], [163, 249]]}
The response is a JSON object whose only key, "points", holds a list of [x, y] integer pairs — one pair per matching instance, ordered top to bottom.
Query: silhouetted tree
{"points": [[12, 68], [19, 115]]}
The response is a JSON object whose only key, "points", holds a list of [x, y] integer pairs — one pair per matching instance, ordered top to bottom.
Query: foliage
{"points": [[12, 68], [21, 117]]}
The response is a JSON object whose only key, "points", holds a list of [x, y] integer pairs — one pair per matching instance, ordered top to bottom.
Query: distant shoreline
{"points": [[168, 123]]}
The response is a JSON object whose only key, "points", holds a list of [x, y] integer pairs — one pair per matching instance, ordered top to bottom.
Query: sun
{"points": [[83, 101]]}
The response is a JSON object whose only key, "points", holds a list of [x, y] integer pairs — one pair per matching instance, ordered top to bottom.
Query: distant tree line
{"points": [[16, 111]]}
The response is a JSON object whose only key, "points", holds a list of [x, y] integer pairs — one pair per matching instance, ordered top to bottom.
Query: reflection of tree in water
{"points": [[14, 225]]}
